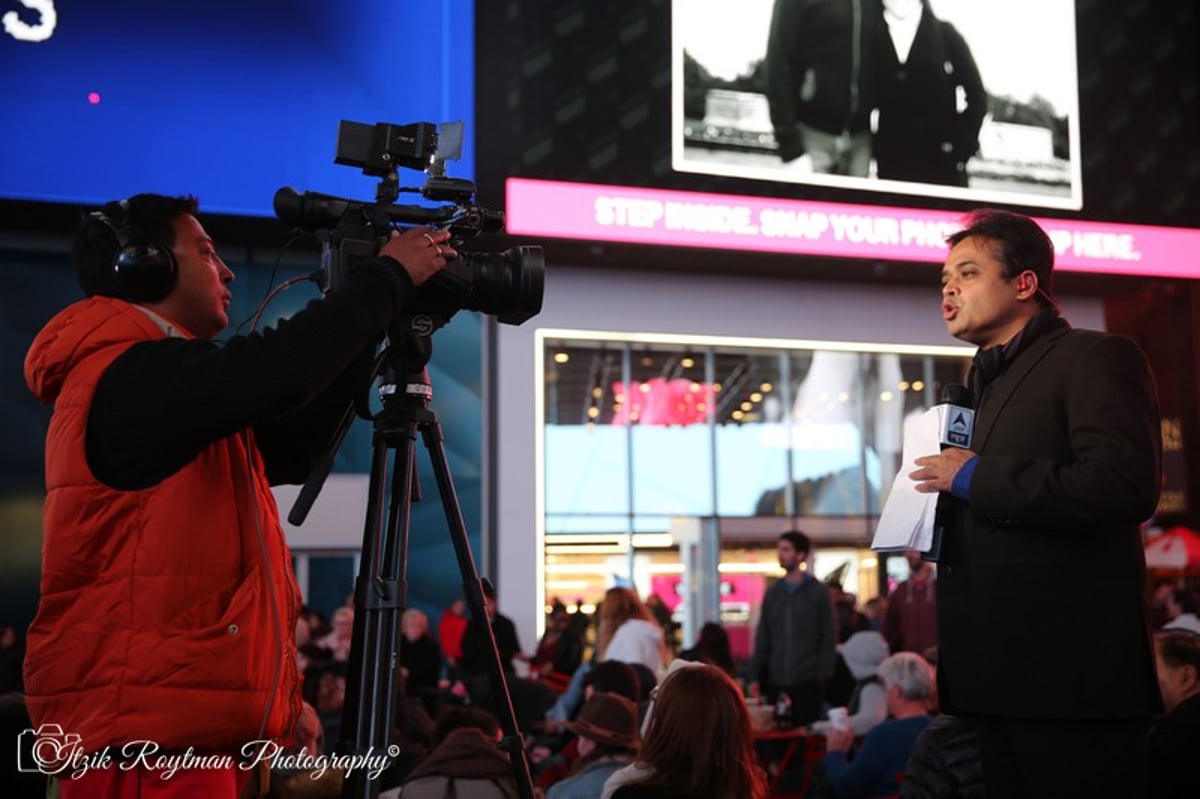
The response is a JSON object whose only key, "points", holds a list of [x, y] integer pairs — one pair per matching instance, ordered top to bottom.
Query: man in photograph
{"points": [[821, 73], [931, 98], [1043, 629]]}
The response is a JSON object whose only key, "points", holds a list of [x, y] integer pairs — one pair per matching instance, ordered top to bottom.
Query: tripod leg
{"points": [[379, 599], [513, 742]]}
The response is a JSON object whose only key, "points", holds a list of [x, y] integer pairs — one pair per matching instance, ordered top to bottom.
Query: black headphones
{"points": [[143, 269]]}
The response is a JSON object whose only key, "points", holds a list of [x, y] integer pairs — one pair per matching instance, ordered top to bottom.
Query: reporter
{"points": [[168, 602]]}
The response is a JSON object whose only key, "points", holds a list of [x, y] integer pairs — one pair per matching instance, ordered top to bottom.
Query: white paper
{"points": [[907, 518]]}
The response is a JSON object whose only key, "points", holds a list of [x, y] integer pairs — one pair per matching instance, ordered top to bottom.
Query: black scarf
{"points": [[990, 363]]}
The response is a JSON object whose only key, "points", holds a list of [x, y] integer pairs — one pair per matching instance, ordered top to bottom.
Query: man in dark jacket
{"points": [[926, 71], [821, 75], [1042, 572], [794, 644]]}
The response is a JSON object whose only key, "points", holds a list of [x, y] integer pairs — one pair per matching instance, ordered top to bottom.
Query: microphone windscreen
{"points": [[956, 394]]}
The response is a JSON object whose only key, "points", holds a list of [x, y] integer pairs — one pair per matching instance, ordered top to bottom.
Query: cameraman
{"points": [[168, 603]]}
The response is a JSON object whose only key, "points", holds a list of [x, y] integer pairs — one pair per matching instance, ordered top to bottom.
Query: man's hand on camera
{"points": [[421, 251]]}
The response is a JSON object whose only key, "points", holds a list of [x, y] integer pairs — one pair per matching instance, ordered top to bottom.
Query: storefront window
{"points": [[639, 433]]}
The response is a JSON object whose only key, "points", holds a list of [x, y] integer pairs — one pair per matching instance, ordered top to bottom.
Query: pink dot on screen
{"points": [[94, 98]]}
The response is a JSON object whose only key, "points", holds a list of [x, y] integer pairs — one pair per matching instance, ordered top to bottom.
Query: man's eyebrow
{"points": [[959, 264]]}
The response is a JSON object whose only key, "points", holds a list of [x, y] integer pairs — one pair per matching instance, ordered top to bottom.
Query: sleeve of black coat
{"points": [[1113, 473]]}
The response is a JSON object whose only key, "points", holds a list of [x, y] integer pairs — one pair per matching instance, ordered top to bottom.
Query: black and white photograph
{"points": [[948, 98]]}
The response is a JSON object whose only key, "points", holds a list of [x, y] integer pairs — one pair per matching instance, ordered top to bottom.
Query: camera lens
{"points": [[506, 284]]}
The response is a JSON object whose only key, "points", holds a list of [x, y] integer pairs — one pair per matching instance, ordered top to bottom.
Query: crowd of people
{"points": [[169, 611], [625, 723]]}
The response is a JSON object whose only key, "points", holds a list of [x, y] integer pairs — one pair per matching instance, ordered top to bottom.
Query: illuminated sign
{"points": [[764, 224]]}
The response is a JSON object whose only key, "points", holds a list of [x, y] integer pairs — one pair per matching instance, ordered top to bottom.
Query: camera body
{"points": [[508, 284]]}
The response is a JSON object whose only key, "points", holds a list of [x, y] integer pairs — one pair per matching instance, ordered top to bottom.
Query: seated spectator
{"points": [[1180, 607], [875, 610], [662, 614], [847, 618], [318, 626], [451, 627], [627, 632], [339, 638], [712, 646], [475, 650], [559, 652], [420, 659], [612, 676], [908, 683], [325, 690], [530, 698], [867, 706], [1175, 738], [607, 739], [697, 743], [556, 757], [467, 762], [945, 762], [292, 781]]}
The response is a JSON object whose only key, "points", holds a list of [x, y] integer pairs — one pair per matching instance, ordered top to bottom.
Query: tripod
{"points": [[380, 591]]}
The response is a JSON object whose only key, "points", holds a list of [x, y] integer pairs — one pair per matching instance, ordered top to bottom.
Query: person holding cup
{"points": [[908, 683]]}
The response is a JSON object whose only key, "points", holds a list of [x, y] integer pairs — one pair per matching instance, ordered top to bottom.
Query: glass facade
{"points": [[641, 434]]}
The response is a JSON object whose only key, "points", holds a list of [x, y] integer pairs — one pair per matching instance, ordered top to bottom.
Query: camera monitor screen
{"points": [[226, 100]]}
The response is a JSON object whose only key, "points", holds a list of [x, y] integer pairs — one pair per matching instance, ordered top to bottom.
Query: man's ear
{"points": [[1189, 676]]}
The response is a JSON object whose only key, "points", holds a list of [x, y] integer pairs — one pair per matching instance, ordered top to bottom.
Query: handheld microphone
{"points": [[956, 418], [956, 422]]}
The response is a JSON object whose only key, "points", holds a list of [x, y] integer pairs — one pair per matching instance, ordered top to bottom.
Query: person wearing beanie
{"points": [[867, 708]]}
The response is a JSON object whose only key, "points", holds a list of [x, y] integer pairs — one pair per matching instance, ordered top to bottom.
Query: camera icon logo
{"points": [[47, 749]]}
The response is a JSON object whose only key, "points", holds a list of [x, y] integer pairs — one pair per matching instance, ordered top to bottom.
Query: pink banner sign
{"points": [[735, 222]]}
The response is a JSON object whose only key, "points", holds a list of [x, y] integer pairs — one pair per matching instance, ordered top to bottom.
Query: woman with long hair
{"points": [[628, 633], [712, 646], [697, 744]]}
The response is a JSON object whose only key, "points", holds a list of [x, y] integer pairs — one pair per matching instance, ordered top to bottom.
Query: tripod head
{"points": [[407, 355]]}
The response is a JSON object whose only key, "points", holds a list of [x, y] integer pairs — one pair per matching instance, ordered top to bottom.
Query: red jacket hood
{"points": [[76, 332]]}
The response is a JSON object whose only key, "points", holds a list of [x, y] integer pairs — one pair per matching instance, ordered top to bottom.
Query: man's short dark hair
{"points": [[96, 243], [1019, 244], [797, 539], [1185, 599], [1179, 648], [615, 677], [457, 717]]}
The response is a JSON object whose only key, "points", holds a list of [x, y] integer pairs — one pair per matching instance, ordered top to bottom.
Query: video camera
{"points": [[507, 285]]}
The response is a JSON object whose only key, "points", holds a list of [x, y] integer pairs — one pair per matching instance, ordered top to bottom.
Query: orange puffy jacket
{"points": [[167, 614]]}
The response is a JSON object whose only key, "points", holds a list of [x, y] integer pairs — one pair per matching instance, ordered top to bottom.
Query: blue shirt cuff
{"points": [[961, 487]]}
